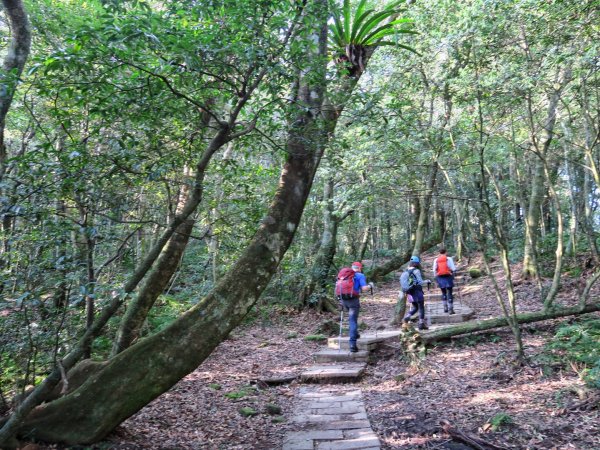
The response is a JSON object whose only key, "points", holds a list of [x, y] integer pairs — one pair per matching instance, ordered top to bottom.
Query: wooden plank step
{"points": [[437, 315], [367, 341], [344, 355], [334, 373]]}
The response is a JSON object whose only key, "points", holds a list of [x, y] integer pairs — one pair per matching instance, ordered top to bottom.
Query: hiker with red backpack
{"points": [[443, 270], [411, 282], [350, 283]]}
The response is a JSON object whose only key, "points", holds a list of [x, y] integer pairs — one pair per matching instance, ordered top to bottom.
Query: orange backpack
{"points": [[442, 266]]}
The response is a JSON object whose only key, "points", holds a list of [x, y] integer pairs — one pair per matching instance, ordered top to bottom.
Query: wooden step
{"points": [[435, 313], [367, 341], [340, 355], [334, 373]]}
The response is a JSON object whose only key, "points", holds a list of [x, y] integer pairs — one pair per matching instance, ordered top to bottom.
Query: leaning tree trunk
{"points": [[162, 271], [154, 286], [139, 374]]}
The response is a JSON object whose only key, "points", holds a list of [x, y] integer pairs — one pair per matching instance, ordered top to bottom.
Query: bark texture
{"points": [[155, 284]]}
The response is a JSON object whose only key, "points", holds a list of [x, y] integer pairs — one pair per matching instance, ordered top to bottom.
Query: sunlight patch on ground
{"points": [[485, 398]]}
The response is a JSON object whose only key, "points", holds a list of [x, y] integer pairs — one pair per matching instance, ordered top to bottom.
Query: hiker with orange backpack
{"points": [[443, 270], [350, 283]]}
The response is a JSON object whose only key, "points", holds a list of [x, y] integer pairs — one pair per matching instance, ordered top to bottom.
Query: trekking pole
{"points": [[341, 322]]}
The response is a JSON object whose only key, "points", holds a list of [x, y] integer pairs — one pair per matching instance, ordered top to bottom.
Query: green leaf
{"points": [[347, 18], [358, 23], [372, 23]]}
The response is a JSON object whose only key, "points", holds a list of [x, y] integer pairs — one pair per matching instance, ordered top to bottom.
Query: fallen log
{"points": [[488, 324]]}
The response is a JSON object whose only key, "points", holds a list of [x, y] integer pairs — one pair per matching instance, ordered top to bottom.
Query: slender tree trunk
{"points": [[14, 62], [540, 149], [425, 203], [588, 216], [532, 221], [559, 242], [319, 280], [155, 284], [510, 310]]}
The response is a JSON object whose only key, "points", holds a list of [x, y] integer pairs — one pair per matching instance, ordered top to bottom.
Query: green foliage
{"points": [[366, 27], [474, 272], [168, 307], [315, 338], [578, 346], [215, 386], [243, 392], [246, 411], [500, 420]]}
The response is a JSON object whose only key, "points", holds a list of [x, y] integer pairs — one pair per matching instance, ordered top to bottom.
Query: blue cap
{"points": [[415, 259]]}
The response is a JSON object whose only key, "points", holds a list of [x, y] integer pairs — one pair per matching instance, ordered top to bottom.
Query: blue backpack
{"points": [[408, 280]]}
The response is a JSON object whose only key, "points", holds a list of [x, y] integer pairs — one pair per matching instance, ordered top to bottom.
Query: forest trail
{"points": [[468, 382], [331, 417]]}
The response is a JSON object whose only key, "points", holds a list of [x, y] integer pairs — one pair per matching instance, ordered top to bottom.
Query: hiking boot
{"points": [[445, 308], [451, 311], [422, 326], [357, 335], [353, 349]]}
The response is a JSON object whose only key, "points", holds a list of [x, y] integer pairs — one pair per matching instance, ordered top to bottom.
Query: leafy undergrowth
{"points": [[470, 381]]}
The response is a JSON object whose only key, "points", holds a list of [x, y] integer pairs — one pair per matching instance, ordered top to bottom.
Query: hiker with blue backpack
{"points": [[411, 282], [348, 287]]}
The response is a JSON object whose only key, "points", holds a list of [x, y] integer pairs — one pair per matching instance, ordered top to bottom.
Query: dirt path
{"points": [[467, 381]]}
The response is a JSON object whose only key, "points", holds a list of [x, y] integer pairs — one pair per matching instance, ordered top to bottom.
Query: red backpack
{"points": [[442, 266], [344, 286]]}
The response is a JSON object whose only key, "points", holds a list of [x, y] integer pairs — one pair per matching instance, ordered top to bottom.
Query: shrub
{"points": [[474, 272], [315, 338], [578, 346], [500, 420]]}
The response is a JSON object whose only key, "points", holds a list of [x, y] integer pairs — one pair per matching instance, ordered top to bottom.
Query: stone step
{"points": [[367, 341], [340, 355], [334, 373]]}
